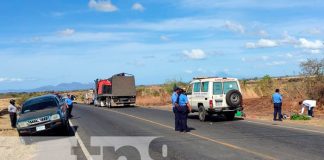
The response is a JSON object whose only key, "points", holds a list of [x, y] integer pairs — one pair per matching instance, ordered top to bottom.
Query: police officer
{"points": [[69, 102], [277, 103], [175, 105], [12, 109], [183, 110]]}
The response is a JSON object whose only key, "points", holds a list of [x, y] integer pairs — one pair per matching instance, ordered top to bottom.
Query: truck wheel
{"points": [[234, 98], [202, 113], [229, 116]]}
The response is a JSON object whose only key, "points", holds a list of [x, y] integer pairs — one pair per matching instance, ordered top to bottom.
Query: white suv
{"points": [[213, 95]]}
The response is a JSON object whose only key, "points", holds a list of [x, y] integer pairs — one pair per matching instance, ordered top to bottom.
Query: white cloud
{"points": [[102, 5], [138, 7], [175, 24], [236, 27], [314, 31], [67, 32], [263, 33], [164, 38], [288, 39], [262, 43], [304, 43], [195, 54], [289, 55], [276, 63], [6, 79]]}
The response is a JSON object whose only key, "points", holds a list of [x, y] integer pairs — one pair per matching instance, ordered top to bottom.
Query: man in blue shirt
{"points": [[174, 98], [69, 102], [277, 103], [183, 109]]}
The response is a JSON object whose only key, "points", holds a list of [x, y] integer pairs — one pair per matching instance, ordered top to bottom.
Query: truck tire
{"points": [[234, 98], [202, 113], [229, 116]]}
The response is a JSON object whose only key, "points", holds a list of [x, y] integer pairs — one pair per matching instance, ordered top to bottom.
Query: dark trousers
{"points": [[70, 110], [277, 111], [311, 112], [181, 118], [13, 119], [176, 119]]}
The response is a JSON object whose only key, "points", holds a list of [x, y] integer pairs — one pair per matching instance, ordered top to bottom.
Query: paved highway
{"points": [[214, 139]]}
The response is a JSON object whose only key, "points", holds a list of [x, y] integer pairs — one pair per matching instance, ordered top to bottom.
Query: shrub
{"points": [[299, 117]]}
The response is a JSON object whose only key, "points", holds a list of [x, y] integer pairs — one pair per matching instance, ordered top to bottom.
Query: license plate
{"points": [[40, 128]]}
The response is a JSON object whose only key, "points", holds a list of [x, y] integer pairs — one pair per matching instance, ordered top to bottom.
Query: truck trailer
{"points": [[118, 90]]}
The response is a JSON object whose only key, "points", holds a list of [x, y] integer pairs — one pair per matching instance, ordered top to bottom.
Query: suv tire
{"points": [[234, 98], [202, 113]]}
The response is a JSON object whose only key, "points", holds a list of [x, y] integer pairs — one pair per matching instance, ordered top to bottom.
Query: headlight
{"points": [[55, 117], [22, 124]]}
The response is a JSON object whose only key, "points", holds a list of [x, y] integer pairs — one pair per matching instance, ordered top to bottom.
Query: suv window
{"points": [[230, 86], [197, 87], [204, 87], [217, 88]]}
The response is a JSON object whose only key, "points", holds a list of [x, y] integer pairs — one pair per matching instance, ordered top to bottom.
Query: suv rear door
{"points": [[218, 94]]}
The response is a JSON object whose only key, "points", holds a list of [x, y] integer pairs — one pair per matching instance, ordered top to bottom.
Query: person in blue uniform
{"points": [[69, 102], [277, 103], [175, 105], [183, 110]]}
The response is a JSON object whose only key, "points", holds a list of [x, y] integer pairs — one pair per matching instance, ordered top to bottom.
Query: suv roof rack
{"points": [[204, 77]]}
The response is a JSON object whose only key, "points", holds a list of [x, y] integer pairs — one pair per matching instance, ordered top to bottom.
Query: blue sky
{"points": [[54, 41]]}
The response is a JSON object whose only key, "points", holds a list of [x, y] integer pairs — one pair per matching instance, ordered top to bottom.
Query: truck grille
{"points": [[38, 120]]}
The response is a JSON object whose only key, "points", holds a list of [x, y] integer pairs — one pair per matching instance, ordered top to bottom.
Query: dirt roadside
{"points": [[261, 109], [10, 145]]}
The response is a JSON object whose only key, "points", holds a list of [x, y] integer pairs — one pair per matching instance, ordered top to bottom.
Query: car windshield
{"points": [[230, 86], [38, 104]]}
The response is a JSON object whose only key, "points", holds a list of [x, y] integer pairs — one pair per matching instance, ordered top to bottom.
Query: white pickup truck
{"points": [[214, 95]]}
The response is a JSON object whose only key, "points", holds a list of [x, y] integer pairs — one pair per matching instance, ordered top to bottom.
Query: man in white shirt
{"points": [[309, 104], [12, 109]]}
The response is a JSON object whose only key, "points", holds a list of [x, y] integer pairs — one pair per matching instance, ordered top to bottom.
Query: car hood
{"points": [[37, 114]]}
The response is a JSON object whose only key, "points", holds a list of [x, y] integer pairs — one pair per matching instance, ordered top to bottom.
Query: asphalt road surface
{"points": [[213, 139]]}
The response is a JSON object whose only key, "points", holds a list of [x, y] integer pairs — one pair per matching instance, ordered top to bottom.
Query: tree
{"points": [[312, 67]]}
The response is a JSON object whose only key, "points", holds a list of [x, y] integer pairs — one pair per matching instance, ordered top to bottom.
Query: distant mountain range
{"points": [[60, 87]]}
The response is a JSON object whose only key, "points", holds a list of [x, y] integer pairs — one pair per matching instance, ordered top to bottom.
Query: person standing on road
{"points": [[69, 102], [277, 103], [175, 105], [12, 109], [184, 109]]}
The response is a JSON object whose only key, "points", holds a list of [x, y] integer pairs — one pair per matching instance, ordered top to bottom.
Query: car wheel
{"points": [[234, 98], [202, 113], [229, 116]]}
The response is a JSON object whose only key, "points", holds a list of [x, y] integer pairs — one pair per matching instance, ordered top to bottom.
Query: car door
{"points": [[218, 94], [195, 95], [204, 98]]}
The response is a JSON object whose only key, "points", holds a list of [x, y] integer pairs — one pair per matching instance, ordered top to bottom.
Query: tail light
{"points": [[211, 104]]}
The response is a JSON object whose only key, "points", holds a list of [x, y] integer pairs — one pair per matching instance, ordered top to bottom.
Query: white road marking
{"points": [[281, 126], [83, 147]]}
